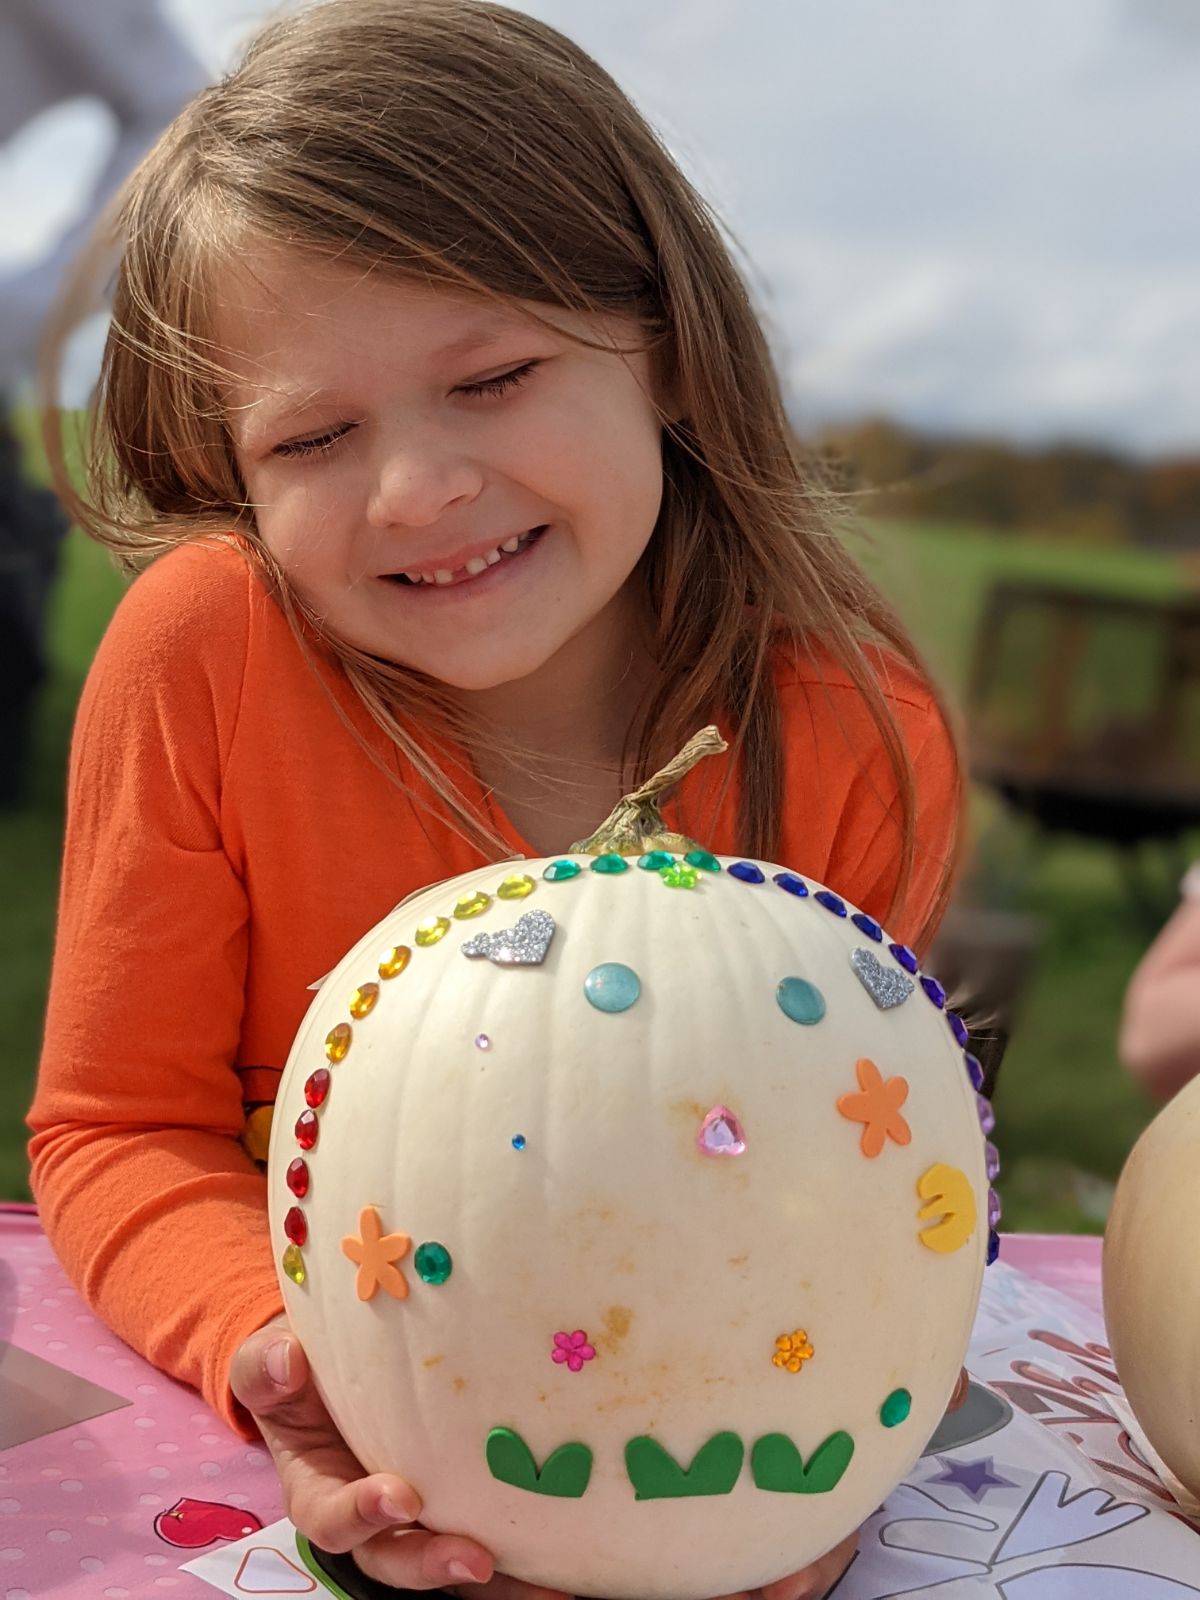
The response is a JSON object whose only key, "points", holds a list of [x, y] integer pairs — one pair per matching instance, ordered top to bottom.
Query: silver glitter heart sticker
{"points": [[522, 946], [886, 986]]}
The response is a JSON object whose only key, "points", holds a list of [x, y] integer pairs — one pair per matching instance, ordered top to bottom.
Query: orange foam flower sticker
{"points": [[877, 1107], [375, 1254]]}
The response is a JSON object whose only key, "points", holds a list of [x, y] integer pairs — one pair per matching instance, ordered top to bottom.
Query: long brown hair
{"points": [[474, 147]]}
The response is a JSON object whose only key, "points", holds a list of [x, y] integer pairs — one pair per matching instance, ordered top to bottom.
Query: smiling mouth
{"points": [[448, 577]]}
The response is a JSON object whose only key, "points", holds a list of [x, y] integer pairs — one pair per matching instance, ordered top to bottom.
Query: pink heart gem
{"points": [[721, 1134]]}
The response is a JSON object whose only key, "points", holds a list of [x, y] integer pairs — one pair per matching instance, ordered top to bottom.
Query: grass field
{"points": [[1067, 1113]]}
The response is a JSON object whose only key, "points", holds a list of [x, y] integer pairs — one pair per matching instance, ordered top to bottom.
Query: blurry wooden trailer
{"points": [[1084, 714]]}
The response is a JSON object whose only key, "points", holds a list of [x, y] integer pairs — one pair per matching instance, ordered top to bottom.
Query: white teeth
{"points": [[510, 545], [492, 557], [476, 565], [442, 576], [413, 577]]}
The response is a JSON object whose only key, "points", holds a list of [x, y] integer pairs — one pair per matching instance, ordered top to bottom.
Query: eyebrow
{"points": [[259, 424]]}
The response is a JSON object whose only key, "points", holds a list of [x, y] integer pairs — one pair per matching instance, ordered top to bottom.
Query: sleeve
{"points": [[867, 851], [154, 1209]]}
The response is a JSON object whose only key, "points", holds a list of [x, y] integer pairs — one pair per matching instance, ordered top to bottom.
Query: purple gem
{"points": [[746, 871], [793, 884], [830, 901], [867, 925], [905, 957], [935, 991], [959, 1029], [974, 1070], [987, 1117], [991, 1157], [994, 1210], [993, 1249]]}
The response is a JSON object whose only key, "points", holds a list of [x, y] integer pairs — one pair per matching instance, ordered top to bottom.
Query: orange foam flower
{"points": [[877, 1107], [374, 1252]]}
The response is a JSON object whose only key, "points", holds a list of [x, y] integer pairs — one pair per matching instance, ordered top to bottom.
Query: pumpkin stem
{"points": [[635, 824]]}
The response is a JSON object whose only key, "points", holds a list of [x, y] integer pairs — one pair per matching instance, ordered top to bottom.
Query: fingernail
{"points": [[277, 1361], [393, 1511], [460, 1572]]}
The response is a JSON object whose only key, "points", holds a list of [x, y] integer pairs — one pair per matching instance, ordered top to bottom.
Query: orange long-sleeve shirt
{"points": [[227, 842]]}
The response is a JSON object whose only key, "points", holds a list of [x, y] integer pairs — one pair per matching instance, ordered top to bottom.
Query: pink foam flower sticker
{"points": [[572, 1349]]}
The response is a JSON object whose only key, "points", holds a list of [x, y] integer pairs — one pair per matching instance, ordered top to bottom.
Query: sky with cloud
{"points": [[974, 215]]}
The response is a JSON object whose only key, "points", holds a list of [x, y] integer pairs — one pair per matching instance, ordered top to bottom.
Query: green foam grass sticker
{"points": [[777, 1464], [564, 1474], [656, 1475]]}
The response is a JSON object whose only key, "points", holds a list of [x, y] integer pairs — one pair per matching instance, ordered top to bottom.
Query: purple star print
{"points": [[972, 1477]]}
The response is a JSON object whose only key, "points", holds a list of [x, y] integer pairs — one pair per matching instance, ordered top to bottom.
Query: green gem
{"points": [[704, 859], [656, 860], [610, 863], [560, 871], [680, 877], [800, 1000], [433, 1263], [293, 1264], [895, 1408]]}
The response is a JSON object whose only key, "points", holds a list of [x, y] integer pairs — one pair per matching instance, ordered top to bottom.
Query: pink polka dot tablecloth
{"points": [[112, 1476], [109, 1506]]}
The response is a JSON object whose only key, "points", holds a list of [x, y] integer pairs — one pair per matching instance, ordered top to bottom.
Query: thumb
{"points": [[269, 1368]]}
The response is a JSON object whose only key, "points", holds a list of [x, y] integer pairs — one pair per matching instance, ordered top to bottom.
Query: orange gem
{"points": [[393, 962], [362, 1002], [337, 1042]]}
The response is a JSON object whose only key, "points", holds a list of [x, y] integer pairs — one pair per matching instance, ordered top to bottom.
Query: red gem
{"points": [[317, 1087], [307, 1128], [297, 1177], [295, 1225]]}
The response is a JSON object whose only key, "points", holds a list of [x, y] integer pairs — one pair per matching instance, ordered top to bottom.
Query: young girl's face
{"points": [[448, 484]]}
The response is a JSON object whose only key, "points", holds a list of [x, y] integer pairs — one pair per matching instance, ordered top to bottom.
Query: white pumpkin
{"points": [[706, 1173], [1152, 1283]]}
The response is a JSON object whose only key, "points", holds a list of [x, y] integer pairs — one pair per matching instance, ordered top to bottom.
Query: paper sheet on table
{"points": [[1036, 1492]]}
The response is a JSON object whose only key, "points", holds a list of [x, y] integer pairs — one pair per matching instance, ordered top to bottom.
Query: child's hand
{"points": [[330, 1499]]}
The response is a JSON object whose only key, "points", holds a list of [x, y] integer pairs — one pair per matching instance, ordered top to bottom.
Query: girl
{"points": [[434, 391], [1160, 1028]]}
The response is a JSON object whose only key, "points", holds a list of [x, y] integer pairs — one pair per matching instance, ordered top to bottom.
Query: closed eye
{"points": [[506, 380], [315, 445]]}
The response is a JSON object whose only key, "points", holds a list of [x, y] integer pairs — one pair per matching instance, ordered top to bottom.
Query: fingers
{"points": [[268, 1369], [960, 1390], [343, 1515], [418, 1559], [817, 1580]]}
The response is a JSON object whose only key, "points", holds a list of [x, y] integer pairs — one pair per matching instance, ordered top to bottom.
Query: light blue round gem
{"points": [[612, 987], [800, 1000]]}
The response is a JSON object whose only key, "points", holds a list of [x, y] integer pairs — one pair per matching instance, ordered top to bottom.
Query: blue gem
{"points": [[746, 871], [793, 884], [830, 901], [867, 925], [905, 957], [612, 986], [935, 991], [800, 1000], [959, 1029], [974, 1070], [987, 1117], [518, 1141], [993, 1249]]}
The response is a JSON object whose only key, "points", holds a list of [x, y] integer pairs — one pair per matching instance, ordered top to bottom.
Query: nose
{"points": [[418, 479]]}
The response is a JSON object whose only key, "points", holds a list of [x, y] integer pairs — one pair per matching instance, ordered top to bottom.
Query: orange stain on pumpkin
{"points": [[617, 1321], [433, 1361], [459, 1385]]}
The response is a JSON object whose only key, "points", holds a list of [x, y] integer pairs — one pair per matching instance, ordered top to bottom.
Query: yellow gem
{"points": [[516, 886], [472, 905], [431, 930], [394, 961], [362, 1001], [337, 1041], [293, 1264], [792, 1350]]}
